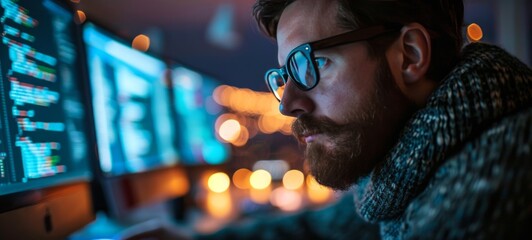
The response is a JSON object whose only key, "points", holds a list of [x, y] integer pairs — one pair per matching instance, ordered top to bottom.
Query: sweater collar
{"points": [[486, 84]]}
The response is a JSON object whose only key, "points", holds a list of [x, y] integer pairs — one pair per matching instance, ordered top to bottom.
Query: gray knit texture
{"points": [[463, 163], [462, 168]]}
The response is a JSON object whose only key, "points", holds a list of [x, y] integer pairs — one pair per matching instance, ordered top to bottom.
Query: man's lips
{"points": [[307, 138]]}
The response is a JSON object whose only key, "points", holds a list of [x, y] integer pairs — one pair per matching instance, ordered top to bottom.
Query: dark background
{"points": [[239, 54]]}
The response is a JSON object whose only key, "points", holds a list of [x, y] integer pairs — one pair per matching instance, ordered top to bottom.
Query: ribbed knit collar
{"points": [[486, 85]]}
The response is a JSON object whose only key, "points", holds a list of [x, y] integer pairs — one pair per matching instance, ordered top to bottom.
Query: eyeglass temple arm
{"points": [[355, 35]]}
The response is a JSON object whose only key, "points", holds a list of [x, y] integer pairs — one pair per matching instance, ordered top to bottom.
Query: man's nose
{"points": [[295, 101]]}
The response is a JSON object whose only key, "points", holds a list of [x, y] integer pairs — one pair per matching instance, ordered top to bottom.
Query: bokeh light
{"points": [[80, 17], [474, 32], [141, 42], [254, 105], [229, 130], [243, 137], [276, 168], [241, 178], [260, 179], [293, 179], [218, 182], [180, 183], [316, 192], [261, 196], [286, 200], [219, 205]]}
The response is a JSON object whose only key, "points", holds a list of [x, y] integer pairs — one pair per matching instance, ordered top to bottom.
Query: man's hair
{"points": [[442, 18]]}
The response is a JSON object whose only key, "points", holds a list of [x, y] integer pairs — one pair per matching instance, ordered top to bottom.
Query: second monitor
{"points": [[134, 130]]}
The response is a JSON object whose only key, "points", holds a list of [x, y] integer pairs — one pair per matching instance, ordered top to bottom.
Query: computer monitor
{"points": [[196, 113], [134, 130], [44, 146]]}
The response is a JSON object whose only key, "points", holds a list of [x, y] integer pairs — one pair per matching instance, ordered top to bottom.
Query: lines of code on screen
{"points": [[41, 110]]}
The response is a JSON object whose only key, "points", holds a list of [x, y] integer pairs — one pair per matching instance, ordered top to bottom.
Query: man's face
{"points": [[346, 122]]}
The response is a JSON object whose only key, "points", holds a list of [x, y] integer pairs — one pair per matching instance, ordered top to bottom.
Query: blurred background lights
{"points": [[80, 17], [474, 32], [141, 42], [253, 104], [270, 123], [229, 130], [243, 137], [214, 153], [276, 168], [241, 178], [260, 179], [293, 179], [218, 182], [180, 184], [316, 192], [261, 196], [286, 200], [219, 205]]}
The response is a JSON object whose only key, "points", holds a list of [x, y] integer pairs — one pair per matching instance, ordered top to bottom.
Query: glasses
{"points": [[301, 66]]}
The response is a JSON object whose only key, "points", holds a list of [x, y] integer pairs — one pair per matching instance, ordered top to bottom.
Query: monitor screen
{"points": [[130, 103], [196, 114], [133, 125], [44, 139]]}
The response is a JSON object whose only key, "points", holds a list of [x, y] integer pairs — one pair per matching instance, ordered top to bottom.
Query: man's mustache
{"points": [[306, 125]]}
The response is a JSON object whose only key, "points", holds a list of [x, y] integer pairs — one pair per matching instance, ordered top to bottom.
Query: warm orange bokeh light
{"points": [[80, 17], [474, 32], [141, 43], [221, 95], [251, 104], [270, 124], [229, 130], [243, 137], [241, 178], [260, 179], [293, 179], [219, 182], [180, 183], [316, 192], [261, 196], [286, 200], [219, 205]]}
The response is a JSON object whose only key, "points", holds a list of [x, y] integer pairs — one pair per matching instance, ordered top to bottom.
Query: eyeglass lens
{"points": [[300, 67], [276, 83]]}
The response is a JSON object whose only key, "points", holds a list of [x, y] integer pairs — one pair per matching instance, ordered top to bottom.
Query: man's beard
{"points": [[343, 159]]}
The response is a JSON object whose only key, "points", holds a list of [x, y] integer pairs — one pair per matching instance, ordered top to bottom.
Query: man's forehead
{"points": [[305, 21]]}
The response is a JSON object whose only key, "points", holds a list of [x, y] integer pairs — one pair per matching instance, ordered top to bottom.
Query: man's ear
{"points": [[414, 42], [409, 58]]}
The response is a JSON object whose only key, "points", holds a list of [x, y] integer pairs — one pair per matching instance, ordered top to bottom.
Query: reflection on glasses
{"points": [[301, 65]]}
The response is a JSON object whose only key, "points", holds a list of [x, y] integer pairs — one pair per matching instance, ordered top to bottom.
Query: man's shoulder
{"points": [[508, 135], [482, 190]]}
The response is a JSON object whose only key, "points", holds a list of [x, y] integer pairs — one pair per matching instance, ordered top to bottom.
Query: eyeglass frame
{"points": [[308, 49]]}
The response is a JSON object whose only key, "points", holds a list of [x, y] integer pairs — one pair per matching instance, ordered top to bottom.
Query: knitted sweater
{"points": [[462, 167]]}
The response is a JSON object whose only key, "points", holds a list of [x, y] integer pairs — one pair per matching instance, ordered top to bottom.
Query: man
{"points": [[434, 139]]}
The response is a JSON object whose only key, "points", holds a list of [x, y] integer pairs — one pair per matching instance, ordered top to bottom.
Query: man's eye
{"points": [[320, 62]]}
